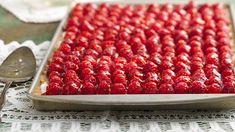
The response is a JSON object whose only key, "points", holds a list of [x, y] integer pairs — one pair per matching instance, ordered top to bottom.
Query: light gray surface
{"points": [[126, 102]]}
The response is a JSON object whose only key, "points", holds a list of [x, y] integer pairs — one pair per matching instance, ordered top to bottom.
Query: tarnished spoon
{"points": [[19, 66]]}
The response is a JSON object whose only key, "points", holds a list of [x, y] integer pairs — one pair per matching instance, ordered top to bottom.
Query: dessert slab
{"points": [[124, 102]]}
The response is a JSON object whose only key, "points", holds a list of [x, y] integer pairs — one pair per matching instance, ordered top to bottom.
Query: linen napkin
{"points": [[36, 11]]}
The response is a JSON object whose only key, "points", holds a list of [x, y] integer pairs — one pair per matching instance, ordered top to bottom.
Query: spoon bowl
{"points": [[19, 66]]}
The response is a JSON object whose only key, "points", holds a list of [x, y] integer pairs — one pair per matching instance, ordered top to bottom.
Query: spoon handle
{"points": [[3, 94]]}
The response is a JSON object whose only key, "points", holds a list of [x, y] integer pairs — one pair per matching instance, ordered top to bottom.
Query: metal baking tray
{"points": [[125, 102]]}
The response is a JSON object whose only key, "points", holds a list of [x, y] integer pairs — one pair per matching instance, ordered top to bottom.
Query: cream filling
{"points": [[43, 87]]}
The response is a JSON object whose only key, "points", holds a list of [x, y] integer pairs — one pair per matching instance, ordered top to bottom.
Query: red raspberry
{"points": [[73, 21], [210, 24], [86, 26], [156, 26], [73, 29], [195, 31], [209, 32], [149, 33], [124, 35], [181, 35], [69, 36], [82, 41], [195, 41], [224, 41], [210, 42], [168, 43], [121, 44], [153, 44], [96, 45], [65, 48], [183, 48], [226, 49], [109, 50], [167, 50], [211, 50], [78, 51], [142, 51], [197, 51], [126, 52], [92, 53], [58, 54], [198, 54], [73, 58], [156, 58], [167, 58], [183, 58], [212, 58], [90, 59], [106, 59], [197, 59], [58, 60], [120, 60], [140, 60], [226, 63], [86, 64], [131, 65], [166, 65], [181, 65], [196, 65], [70, 66], [103, 66], [117, 66], [55, 67], [150, 67], [207, 67], [118, 71], [87, 72], [103, 72], [168, 72], [183, 72], [227, 72], [54, 73], [135, 73], [212, 73], [70, 75], [199, 75], [152, 76], [103, 77], [90, 78], [120, 78], [228, 78], [56, 79], [167, 79], [185, 79], [212, 80], [198, 87], [229, 87], [71, 88], [88, 88], [103, 88], [118, 88], [134, 88], [150, 88], [166, 88], [182, 88], [214, 88], [53, 89]]}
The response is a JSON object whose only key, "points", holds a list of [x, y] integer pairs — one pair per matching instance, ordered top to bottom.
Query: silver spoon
{"points": [[19, 66]]}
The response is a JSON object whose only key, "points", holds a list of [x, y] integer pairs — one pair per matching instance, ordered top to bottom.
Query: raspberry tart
{"points": [[143, 49]]}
